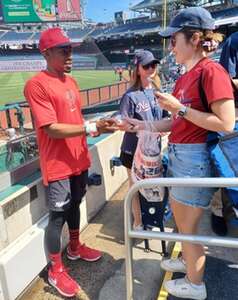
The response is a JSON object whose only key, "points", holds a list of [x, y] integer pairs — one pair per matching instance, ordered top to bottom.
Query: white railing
{"points": [[196, 239]]}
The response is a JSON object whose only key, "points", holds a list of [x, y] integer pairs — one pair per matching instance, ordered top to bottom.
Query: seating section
{"points": [[146, 4], [226, 13], [132, 26], [97, 32], [78, 33], [12, 36], [31, 37], [36, 37], [19, 55]]}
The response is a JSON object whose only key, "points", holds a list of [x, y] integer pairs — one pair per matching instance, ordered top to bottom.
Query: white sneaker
{"points": [[174, 265], [182, 288]]}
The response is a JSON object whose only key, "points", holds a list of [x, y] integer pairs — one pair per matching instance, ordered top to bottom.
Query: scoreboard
{"points": [[33, 11]]}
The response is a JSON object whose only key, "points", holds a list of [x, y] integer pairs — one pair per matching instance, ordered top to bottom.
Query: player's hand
{"points": [[106, 125]]}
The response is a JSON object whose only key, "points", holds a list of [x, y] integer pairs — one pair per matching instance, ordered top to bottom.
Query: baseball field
{"points": [[12, 84]]}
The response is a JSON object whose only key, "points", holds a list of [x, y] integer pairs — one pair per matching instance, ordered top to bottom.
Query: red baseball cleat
{"points": [[84, 253], [63, 283]]}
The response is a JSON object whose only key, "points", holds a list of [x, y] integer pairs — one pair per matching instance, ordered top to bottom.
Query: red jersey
{"points": [[217, 86], [57, 100]]}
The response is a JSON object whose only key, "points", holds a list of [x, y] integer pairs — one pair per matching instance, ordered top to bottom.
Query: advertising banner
{"points": [[69, 10], [17, 11], [22, 65], [86, 65]]}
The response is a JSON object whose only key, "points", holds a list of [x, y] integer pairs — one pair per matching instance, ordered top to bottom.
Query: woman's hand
{"points": [[168, 102], [106, 125], [131, 125]]}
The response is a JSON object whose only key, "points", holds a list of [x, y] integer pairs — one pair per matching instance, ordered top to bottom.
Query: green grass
{"points": [[12, 84]]}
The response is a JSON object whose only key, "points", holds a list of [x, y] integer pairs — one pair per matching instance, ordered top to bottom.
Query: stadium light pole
{"points": [[164, 24]]}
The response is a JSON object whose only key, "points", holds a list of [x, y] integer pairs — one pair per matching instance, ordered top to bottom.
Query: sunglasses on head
{"points": [[151, 65]]}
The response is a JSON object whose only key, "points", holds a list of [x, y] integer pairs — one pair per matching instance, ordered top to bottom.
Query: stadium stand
{"points": [[148, 4], [225, 13], [132, 28], [97, 32], [2, 33], [76, 34], [10, 37], [18, 37], [36, 37], [117, 42]]}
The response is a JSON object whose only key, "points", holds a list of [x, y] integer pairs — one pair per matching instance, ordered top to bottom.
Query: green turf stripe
{"points": [[12, 84]]}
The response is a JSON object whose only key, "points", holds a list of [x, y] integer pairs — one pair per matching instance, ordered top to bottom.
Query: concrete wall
{"points": [[23, 218]]}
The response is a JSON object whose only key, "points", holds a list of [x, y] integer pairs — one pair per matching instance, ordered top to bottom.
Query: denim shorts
{"points": [[190, 160]]}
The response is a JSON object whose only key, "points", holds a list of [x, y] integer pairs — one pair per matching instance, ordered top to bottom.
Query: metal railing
{"points": [[196, 239]]}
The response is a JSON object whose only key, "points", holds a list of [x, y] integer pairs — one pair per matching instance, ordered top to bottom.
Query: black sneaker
{"points": [[218, 224]]}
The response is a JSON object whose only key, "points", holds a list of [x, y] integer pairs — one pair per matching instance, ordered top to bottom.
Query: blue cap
{"points": [[192, 17], [145, 57]]}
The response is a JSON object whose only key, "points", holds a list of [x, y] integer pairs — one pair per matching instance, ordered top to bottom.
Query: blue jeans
{"points": [[190, 160]]}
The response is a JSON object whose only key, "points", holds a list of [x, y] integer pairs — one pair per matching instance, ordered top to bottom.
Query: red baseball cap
{"points": [[54, 37]]}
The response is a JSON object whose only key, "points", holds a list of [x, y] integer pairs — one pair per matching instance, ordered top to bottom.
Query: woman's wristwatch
{"points": [[182, 111]]}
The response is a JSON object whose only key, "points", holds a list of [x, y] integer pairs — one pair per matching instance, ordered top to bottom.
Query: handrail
{"points": [[196, 239]]}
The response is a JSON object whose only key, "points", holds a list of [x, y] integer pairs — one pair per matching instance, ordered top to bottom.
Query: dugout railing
{"points": [[175, 237]]}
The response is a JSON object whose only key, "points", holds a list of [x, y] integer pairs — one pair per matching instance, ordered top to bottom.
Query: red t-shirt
{"points": [[217, 86], [57, 100]]}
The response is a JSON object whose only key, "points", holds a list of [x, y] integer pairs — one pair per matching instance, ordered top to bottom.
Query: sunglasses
{"points": [[151, 65]]}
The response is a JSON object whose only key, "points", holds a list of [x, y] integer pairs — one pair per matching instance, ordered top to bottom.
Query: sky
{"points": [[103, 10]]}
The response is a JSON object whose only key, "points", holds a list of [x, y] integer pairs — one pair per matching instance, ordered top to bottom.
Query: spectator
{"points": [[191, 39], [229, 56], [229, 60], [129, 71], [120, 72], [139, 102], [55, 103]]}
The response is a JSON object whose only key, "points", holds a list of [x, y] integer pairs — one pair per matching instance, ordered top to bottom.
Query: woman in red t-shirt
{"points": [[191, 39]]}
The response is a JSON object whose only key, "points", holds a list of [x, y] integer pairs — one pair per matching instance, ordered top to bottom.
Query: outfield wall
{"points": [[22, 65], [36, 65], [89, 97]]}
